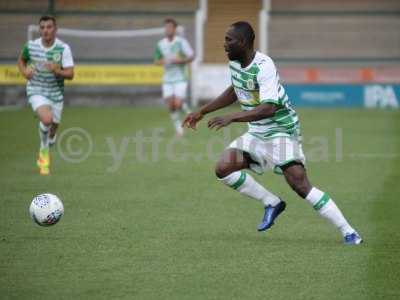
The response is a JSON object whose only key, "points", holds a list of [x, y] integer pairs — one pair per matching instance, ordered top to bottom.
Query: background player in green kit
{"points": [[174, 53], [45, 63], [273, 140]]}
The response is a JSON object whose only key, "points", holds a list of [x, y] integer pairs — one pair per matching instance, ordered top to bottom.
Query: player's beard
{"points": [[233, 55]]}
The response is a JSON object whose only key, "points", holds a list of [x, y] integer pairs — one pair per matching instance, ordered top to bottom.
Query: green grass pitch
{"points": [[156, 224]]}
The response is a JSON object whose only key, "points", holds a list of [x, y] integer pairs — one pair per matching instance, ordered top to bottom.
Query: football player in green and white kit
{"points": [[174, 53], [45, 63], [273, 140]]}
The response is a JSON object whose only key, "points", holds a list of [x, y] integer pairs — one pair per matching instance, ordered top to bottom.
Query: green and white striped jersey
{"points": [[178, 47], [44, 82], [257, 84]]}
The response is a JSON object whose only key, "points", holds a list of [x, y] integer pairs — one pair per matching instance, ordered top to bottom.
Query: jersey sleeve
{"points": [[186, 48], [25, 53], [157, 53], [67, 60], [269, 83]]}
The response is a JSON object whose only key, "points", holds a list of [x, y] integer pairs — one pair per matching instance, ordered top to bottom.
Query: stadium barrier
{"points": [[108, 74], [319, 87], [324, 87], [346, 87], [345, 95]]}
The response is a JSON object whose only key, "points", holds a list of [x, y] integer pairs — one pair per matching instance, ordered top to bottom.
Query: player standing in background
{"points": [[174, 53], [45, 63], [273, 140]]}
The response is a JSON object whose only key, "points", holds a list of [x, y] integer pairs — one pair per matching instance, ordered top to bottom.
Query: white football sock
{"points": [[185, 108], [177, 122], [44, 136], [246, 185], [328, 209]]}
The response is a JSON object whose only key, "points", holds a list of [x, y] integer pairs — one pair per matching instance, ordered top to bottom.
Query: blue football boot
{"points": [[270, 214], [353, 239]]}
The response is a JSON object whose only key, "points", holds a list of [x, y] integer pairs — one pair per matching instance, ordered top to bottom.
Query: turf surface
{"points": [[151, 222]]}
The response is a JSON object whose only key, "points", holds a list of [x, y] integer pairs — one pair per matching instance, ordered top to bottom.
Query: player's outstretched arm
{"points": [[159, 62], [23, 67], [225, 99], [262, 111]]}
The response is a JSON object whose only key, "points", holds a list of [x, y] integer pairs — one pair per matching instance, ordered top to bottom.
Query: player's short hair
{"points": [[48, 18], [171, 21], [246, 31]]}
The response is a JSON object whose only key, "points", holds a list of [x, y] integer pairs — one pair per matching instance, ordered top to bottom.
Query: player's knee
{"points": [[178, 103], [171, 107], [46, 120], [221, 170]]}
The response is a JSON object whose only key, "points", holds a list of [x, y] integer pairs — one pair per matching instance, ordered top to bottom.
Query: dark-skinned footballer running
{"points": [[273, 139]]}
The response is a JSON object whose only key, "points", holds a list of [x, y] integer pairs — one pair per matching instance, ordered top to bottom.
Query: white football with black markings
{"points": [[46, 209]]}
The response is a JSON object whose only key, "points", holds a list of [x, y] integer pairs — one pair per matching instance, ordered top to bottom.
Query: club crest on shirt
{"points": [[57, 56], [250, 84]]}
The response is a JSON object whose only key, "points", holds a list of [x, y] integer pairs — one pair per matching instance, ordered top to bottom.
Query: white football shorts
{"points": [[177, 89], [56, 107], [270, 154]]}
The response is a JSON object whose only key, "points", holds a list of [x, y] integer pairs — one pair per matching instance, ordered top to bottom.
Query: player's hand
{"points": [[168, 61], [177, 61], [162, 62], [52, 67], [29, 72], [192, 119], [219, 122]]}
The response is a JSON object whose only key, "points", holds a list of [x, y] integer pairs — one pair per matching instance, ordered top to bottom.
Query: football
{"points": [[46, 209]]}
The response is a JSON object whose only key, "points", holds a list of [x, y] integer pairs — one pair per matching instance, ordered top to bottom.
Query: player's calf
{"points": [[174, 113], [45, 116], [52, 133], [229, 170], [296, 177]]}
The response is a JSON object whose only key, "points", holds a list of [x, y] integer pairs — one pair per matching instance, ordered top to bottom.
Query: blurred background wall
{"points": [[329, 53]]}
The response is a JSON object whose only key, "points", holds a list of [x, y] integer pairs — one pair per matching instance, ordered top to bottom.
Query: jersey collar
{"points": [[171, 41], [48, 48], [251, 63]]}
